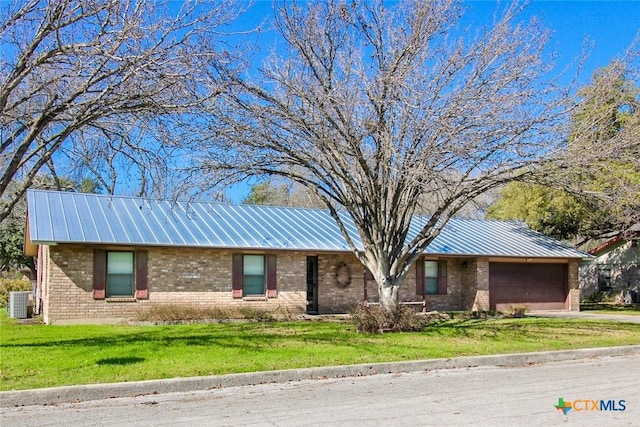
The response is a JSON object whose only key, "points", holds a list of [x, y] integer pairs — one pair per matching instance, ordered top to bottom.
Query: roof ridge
{"points": [[172, 201]]}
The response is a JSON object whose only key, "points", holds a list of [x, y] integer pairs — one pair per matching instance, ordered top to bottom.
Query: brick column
{"points": [[573, 296], [481, 301]]}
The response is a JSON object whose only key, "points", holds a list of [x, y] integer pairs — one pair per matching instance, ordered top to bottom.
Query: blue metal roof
{"points": [[64, 217]]}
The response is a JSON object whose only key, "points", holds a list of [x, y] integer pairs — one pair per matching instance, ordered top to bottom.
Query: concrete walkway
{"points": [[628, 318]]}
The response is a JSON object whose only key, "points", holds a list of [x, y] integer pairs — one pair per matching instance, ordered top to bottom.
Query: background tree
{"points": [[100, 85], [383, 112], [603, 161], [596, 192], [277, 193], [551, 211], [12, 242]]}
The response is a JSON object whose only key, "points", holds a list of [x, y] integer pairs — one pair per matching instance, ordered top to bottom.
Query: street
{"points": [[603, 391]]}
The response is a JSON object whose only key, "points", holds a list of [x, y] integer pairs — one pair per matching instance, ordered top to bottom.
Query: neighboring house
{"points": [[107, 257], [614, 270]]}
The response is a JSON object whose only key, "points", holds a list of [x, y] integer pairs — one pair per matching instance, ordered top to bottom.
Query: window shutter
{"points": [[99, 273], [236, 275], [272, 275], [420, 276], [442, 277], [142, 289]]}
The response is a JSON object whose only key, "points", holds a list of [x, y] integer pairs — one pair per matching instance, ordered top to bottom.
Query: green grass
{"points": [[604, 308], [635, 312], [34, 356]]}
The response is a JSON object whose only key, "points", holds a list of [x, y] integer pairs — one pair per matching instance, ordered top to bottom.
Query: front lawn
{"points": [[605, 308], [623, 312], [33, 356]]}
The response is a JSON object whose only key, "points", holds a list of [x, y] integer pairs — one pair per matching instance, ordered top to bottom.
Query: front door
{"points": [[312, 284]]}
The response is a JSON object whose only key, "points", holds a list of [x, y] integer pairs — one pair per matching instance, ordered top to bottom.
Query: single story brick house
{"points": [[104, 258]]}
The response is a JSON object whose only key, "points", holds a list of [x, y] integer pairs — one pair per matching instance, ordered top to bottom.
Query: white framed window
{"points": [[120, 274], [253, 275], [431, 278]]}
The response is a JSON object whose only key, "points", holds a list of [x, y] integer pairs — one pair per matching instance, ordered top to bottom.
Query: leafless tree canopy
{"points": [[83, 83], [385, 112]]}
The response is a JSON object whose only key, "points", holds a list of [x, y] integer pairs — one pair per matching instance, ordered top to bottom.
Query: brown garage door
{"points": [[538, 286]]}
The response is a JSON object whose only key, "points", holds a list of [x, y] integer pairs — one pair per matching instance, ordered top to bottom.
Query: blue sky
{"points": [[610, 27]]}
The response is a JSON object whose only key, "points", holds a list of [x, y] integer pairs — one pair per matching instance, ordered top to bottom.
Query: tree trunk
{"points": [[388, 292]]}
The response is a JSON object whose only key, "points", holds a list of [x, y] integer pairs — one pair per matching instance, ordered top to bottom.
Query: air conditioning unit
{"points": [[18, 302]]}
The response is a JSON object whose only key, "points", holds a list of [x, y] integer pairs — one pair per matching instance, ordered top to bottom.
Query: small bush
{"points": [[12, 285], [597, 297], [518, 311], [188, 313], [252, 313], [477, 314], [483, 314], [375, 319]]}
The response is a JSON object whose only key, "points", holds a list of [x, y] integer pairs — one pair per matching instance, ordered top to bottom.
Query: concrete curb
{"points": [[55, 395]]}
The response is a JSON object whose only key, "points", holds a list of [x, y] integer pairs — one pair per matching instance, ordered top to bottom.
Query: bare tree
{"points": [[82, 82], [385, 112], [602, 165]]}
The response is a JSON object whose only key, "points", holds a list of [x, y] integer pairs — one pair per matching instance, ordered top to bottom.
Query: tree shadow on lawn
{"points": [[456, 328], [491, 328], [230, 337], [266, 338], [119, 361]]}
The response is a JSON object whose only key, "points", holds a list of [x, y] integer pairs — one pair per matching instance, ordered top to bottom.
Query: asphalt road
{"points": [[484, 396]]}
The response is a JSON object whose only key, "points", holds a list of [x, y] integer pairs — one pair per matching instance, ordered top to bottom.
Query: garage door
{"points": [[538, 286]]}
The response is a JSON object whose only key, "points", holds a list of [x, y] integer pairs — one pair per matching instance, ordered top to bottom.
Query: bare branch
{"points": [[72, 65], [385, 112]]}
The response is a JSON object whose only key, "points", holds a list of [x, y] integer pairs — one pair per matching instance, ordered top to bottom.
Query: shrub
{"points": [[12, 285], [597, 297], [518, 311], [186, 313], [484, 314], [259, 315], [375, 319]]}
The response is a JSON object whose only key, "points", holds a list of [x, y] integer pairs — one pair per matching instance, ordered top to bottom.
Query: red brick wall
{"points": [[175, 276], [203, 277], [340, 283], [334, 298]]}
